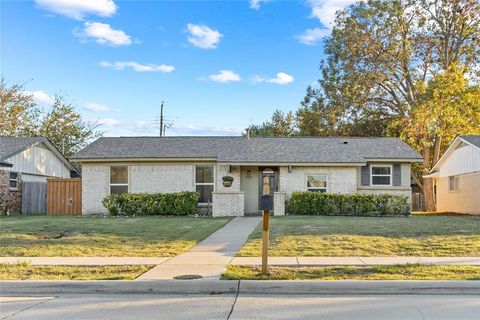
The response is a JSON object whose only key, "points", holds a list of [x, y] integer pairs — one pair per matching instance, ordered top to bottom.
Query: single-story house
{"points": [[25, 162], [171, 164], [457, 176]]}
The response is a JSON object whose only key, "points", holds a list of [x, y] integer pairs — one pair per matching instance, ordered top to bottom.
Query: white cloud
{"points": [[255, 4], [77, 9], [325, 10], [103, 33], [202, 36], [312, 36], [120, 65], [223, 76], [281, 78], [42, 98], [97, 107], [108, 122]]}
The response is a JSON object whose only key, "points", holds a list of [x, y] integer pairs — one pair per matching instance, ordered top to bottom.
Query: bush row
{"points": [[315, 203], [137, 204]]}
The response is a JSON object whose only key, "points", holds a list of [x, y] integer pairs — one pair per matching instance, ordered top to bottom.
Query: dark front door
{"points": [[272, 174]]}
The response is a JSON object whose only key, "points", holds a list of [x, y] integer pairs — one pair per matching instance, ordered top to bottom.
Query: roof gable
{"points": [[473, 140], [10, 146], [255, 149]]}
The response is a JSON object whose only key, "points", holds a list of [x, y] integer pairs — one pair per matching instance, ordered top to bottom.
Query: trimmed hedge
{"points": [[315, 203], [139, 204]]}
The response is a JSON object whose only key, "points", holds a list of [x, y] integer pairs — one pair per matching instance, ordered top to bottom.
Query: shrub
{"points": [[315, 203], [137, 204]]}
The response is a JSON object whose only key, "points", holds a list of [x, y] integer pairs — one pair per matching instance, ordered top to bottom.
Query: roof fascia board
{"points": [[143, 160], [393, 160], [297, 164]]}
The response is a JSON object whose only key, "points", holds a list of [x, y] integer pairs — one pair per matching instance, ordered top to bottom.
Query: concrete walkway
{"points": [[210, 257], [356, 261]]}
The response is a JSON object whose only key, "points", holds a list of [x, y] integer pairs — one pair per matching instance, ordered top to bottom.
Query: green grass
{"points": [[420, 235], [34, 236], [25, 271], [396, 272]]}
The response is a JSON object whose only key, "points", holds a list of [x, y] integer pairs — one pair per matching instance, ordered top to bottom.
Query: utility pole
{"points": [[162, 130]]}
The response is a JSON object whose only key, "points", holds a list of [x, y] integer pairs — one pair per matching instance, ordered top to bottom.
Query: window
{"points": [[381, 175], [118, 180], [13, 181], [204, 182], [317, 183], [453, 183]]}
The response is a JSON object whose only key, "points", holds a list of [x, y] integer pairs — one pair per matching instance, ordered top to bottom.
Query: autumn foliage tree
{"points": [[61, 123]]}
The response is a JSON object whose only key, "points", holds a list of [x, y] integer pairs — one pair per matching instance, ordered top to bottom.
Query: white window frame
{"points": [[381, 175], [456, 178], [10, 179], [204, 183], [118, 184], [316, 188]]}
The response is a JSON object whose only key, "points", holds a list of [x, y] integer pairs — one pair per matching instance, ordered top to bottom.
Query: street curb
{"points": [[243, 287]]}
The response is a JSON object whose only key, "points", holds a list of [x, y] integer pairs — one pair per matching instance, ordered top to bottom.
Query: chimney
{"points": [[247, 133]]}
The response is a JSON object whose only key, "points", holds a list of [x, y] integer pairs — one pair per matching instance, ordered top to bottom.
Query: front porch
{"points": [[242, 197]]}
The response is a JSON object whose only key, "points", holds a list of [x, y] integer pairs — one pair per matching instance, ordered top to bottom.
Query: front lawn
{"points": [[420, 235], [68, 236], [25, 271], [396, 272]]}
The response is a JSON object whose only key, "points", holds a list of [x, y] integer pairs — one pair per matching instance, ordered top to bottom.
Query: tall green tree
{"points": [[384, 57], [60, 123], [281, 125]]}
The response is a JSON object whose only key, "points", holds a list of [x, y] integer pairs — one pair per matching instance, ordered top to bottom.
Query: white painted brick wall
{"points": [[221, 171], [161, 178], [339, 179], [95, 186], [279, 203], [228, 204]]}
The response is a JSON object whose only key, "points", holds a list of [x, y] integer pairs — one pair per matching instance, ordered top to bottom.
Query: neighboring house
{"points": [[25, 160], [171, 164], [457, 176]]}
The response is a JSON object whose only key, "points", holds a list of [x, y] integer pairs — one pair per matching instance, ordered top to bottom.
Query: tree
{"points": [[381, 58], [18, 112], [61, 124], [280, 125]]}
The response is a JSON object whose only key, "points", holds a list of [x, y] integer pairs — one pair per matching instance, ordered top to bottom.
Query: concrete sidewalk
{"points": [[210, 257], [355, 261]]}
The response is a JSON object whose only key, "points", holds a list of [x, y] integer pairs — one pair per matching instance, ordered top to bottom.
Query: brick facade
{"points": [[12, 199], [228, 204]]}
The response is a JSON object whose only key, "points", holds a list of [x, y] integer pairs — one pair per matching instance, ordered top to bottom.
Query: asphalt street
{"points": [[244, 306]]}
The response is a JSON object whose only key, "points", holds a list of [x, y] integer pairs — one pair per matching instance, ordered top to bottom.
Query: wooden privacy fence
{"points": [[64, 196], [34, 197]]}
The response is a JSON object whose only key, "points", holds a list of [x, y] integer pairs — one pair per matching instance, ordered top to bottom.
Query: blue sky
{"points": [[218, 65]]}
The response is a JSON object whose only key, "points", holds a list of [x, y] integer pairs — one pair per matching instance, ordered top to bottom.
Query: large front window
{"points": [[381, 175], [118, 179], [204, 182], [317, 183]]}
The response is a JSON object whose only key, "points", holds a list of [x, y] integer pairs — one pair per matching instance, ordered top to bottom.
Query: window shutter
{"points": [[397, 175], [365, 179]]}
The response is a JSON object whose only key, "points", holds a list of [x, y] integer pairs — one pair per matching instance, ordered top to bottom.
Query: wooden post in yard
{"points": [[266, 227]]}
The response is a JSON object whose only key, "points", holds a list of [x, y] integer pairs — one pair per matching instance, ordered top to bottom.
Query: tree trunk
{"points": [[428, 182], [428, 194]]}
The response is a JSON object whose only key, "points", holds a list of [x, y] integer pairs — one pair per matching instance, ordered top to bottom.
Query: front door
{"points": [[272, 174], [249, 185]]}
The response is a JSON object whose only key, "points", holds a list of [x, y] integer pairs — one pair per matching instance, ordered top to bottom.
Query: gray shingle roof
{"points": [[473, 139], [10, 146], [240, 149]]}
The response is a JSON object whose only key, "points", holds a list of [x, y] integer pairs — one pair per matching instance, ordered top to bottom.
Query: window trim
{"points": [[381, 175], [10, 179], [457, 179], [110, 184], [195, 184], [316, 188]]}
